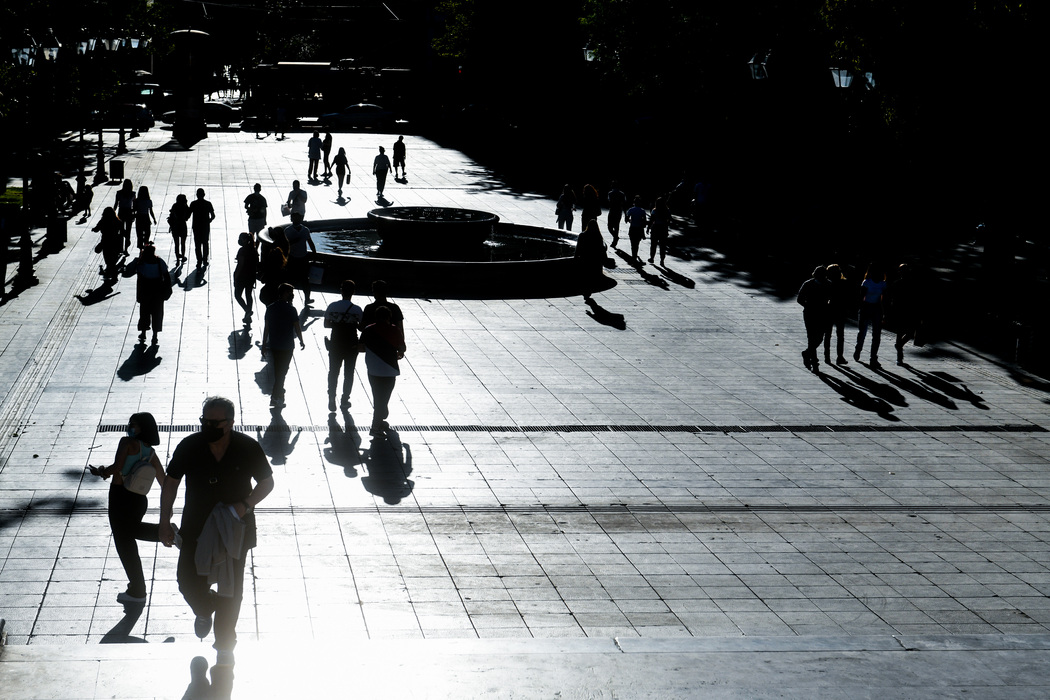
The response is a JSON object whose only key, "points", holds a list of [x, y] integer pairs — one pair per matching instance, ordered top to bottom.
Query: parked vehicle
{"points": [[215, 112], [127, 115], [361, 115]]}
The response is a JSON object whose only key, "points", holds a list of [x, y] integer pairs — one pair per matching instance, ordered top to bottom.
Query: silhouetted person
{"points": [[313, 147], [326, 152], [399, 157], [380, 168], [342, 169], [297, 200], [124, 204], [255, 206], [565, 207], [591, 207], [617, 208], [202, 213], [178, 215], [144, 216], [636, 221], [659, 229], [111, 236], [300, 247], [590, 257], [244, 274], [152, 289], [871, 291], [379, 293], [813, 296], [842, 304], [904, 309], [344, 318], [279, 333], [384, 345], [219, 465], [126, 508]]}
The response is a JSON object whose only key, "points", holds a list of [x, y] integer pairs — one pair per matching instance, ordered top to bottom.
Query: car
{"points": [[214, 112], [127, 115], [361, 115]]}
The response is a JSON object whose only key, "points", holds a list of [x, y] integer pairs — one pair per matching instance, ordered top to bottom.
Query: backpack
{"points": [[141, 476]]}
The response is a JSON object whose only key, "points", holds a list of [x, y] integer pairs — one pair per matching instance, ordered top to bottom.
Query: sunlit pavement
{"points": [[644, 496]]}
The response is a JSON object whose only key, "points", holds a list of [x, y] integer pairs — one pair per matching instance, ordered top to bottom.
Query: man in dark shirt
{"points": [[203, 213], [369, 315], [343, 317], [279, 333], [220, 466]]}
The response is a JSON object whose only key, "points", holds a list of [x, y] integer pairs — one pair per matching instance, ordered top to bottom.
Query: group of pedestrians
{"points": [[319, 151], [655, 223], [828, 298], [382, 339], [227, 475]]}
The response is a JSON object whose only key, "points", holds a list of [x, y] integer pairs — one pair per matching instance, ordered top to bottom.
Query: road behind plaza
{"points": [[646, 496]]}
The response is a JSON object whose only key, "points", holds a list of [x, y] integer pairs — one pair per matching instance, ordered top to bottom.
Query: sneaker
{"points": [[856, 355], [805, 359], [841, 361], [874, 364], [344, 402], [331, 403], [128, 599], [202, 626], [224, 657]]}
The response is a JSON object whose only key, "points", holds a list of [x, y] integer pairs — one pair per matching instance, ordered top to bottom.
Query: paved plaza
{"points": [[644, 496]]}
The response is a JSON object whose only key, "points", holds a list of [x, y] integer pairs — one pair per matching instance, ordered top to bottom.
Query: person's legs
{"points": [[614, 229], [144, 318], [862, 330], [876, 334], [282, 360], [335, 361], [349, 363], [382, 390], [125, 519], [194, 587], [228, 609]]}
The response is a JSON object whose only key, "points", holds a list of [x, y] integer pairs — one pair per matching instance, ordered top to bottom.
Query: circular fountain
{"points": [[445, 252]]}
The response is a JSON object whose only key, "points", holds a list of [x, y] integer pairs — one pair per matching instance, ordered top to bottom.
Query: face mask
{"points": [[212, 434]]}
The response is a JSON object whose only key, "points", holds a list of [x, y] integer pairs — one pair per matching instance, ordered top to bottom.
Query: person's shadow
{"points": [[676, 277], [194, 279], [93, 296], [605, 317], [240, 343], [143, 360], [949, 386], [916, 389], [883, 391], [855, 397], [276, 440], [343, 445], [387, 469], [121, 632], [200, 688]]}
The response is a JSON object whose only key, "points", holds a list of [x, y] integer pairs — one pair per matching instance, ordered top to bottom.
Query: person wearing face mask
{"points": [[227, 475], [126, 508]]}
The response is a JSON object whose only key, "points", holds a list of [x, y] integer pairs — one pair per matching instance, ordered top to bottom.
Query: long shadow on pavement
{"points": [[855, 397]]}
